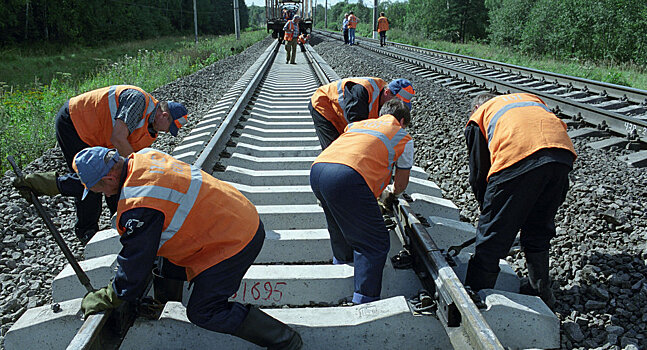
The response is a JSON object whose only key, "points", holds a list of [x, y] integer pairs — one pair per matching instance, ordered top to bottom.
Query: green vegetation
{"points": [[27, 114]]}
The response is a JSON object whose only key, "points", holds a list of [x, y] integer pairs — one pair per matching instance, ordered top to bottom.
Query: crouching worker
{"points": [[302, 40], [519, 157], [348, 177], [170, 209]]}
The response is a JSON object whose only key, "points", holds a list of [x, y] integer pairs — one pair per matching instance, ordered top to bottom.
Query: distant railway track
{"points": [[610, 107], [259, 137]]}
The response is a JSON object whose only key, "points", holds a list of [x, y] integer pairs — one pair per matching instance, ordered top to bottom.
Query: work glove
{"points": [[39, 183], [387, 199], [100, 300]]}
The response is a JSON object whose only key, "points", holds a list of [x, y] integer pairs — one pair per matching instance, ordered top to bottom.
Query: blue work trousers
{"points": [[351, 36], [527, 202], [88, 211], [357, 230], [209, 306]]}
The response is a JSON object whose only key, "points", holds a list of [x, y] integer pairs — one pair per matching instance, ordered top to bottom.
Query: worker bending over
{"points": [[348, 100], [124, 117], [519, 157], [349, 176], [170, 209]]}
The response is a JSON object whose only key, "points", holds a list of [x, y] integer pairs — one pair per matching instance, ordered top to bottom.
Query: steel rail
{"points": [[604, 119]]}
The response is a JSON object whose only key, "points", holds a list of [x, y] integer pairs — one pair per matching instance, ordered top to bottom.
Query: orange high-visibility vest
{"points": [[352, 21], [382, 24], [289, 30], [301, 39], [329, 101], [93, 115], [516, 126], [370, 147], [205, 220]]}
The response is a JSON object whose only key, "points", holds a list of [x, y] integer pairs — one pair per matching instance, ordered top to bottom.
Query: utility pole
{"points": [[326, 15], [374, 19], [236, 20], [195, 22]]}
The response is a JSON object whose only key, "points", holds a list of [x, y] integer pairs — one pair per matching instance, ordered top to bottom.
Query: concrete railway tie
{"points": [[293, 278]]}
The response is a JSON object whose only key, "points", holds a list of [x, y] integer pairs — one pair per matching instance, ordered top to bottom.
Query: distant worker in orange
{"points": [[352, 25], [382, 27], [291, 29], [335, 105]]}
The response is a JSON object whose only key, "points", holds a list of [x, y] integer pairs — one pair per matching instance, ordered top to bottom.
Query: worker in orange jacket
{"points": [[352, 25], [382, 27], [291, 33], [335, 105], [124, 117], [519, 156], [349, 176], [171, 209]]}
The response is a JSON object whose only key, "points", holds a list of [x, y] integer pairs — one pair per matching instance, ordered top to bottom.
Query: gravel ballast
{"points": [[598, 259]]}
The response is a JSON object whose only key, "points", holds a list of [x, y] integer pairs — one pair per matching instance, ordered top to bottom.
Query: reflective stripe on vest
{"points": [[374, 96], [113, 99], [492, 125], [388, 143], [184, 201]]}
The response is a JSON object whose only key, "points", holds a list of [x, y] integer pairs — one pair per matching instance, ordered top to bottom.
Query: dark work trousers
{"points": [[346, 36], [383, 38], [326, 131], [528, 202], [88, 211], [357, 230], [208, 305]]}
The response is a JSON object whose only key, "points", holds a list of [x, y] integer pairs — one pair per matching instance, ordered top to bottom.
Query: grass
{"points": [[627, 74], [27, 110]]}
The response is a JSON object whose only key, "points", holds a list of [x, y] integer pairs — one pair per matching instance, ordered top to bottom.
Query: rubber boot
{"points": [[477, 278], [538, 278], [166, 289], [266, 331]]}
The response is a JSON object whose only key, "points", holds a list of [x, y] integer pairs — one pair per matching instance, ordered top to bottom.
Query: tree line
{"points": [[89, 22], [614, 30]]}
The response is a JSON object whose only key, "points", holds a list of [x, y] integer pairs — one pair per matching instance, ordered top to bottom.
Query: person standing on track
{"points": [[352, 25], [382, 27], [291, 29], [344, 29], [335, 105], [124, 117], [519, 157], [349, 176], [171, 209]]}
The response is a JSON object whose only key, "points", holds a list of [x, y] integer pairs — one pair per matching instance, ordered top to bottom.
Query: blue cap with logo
{"points": [[403, 90], [179, 114], [92, 164]]}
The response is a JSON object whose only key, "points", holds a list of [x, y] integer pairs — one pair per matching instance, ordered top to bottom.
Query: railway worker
{"points": [[352, 25], [382, 27], [344, 28], [291, 29], [302, 40], [335, 105], [124, 117], [519, 157], [349, 176], [170, 209]]}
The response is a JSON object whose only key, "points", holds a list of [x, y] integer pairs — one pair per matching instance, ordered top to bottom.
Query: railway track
{"points": [[594, 108], [259, 137]]}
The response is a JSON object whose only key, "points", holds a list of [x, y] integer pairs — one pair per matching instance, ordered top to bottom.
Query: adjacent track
{"points": [[620, 109]]}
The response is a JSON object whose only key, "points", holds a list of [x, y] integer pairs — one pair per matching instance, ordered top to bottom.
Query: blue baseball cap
{"points": [[403, 90], [179, 114], [92, 164]]}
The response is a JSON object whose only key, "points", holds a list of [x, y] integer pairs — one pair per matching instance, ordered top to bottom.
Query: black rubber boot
{"points": [[538, 278], [478, 279], [266, 331]]}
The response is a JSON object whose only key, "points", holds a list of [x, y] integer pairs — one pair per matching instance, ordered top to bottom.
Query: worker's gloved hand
{"points": [[39, 183], [387, 199], [100, 300]]}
